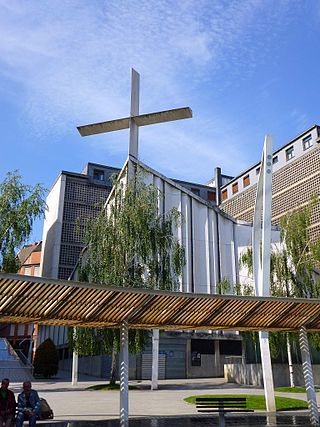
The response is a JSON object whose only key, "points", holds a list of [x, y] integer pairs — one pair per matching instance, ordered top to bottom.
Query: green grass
{"points": [[106, 387], [292, 389], [258, 402]]}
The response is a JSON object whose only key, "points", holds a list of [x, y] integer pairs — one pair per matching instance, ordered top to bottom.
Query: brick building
{"points": [[19, 334]]}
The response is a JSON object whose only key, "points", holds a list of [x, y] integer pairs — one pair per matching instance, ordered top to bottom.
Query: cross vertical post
{"points": [[134, 111], [134, 129]]}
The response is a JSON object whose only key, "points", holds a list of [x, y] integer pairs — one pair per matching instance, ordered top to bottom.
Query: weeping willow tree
{"points": [[20, 206], [130, 244], [292, 272]]}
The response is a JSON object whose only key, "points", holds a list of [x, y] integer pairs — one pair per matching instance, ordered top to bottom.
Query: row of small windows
{"points": [[306, 143]]}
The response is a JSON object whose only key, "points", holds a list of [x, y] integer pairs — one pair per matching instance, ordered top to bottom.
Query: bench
{"points": [[222, 405]]}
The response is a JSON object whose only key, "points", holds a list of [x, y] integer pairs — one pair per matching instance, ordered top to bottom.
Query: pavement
{"points": [[75, 403]]}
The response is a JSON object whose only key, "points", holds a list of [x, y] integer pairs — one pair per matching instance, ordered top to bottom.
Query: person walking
{"points": [[7, 404], [28, 405]]}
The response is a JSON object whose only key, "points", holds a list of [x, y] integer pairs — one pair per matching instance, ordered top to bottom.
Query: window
{"points": [[307, 142], [289, 153], [275, 160], [258, 170], [98, 175], [246, 180], [235, 188], [196, 191], [224, 195], [211, 196], [27, 271], [202, 346], [230, 348]]}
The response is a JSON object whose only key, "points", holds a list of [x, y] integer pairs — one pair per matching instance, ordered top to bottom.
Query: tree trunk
{"points": [[113, 364], [291, 376]]}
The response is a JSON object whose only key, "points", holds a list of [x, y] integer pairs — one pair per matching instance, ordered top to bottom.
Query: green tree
{"points": [[20, 205], [131, 244], [301, 254], [46, 360]]}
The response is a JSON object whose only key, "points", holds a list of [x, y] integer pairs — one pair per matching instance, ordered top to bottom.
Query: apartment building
{"points": [[296, 178]]}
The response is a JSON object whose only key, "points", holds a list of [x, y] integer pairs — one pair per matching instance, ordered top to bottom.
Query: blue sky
{"points": [[246, 68]]}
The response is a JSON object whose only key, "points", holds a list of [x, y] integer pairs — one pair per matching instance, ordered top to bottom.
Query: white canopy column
{"points": [[124, 375]]}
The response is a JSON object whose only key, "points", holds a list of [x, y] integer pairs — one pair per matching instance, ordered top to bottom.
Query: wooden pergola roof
{"points": [[27, 299]]}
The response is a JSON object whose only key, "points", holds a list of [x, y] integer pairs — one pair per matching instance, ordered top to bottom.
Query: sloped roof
{"points": [[27, 250], [28, 299]]}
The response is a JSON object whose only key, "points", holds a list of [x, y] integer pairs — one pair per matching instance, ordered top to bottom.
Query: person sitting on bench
{"points": [[7, 404], [28, 405]]}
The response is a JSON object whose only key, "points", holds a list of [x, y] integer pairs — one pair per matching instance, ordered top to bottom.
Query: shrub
{"points": [[46, 360]]}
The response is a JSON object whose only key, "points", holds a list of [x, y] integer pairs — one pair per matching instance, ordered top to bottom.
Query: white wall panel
{"points": [[52, 227], [212, 240], [200, 247], [187, 277]]}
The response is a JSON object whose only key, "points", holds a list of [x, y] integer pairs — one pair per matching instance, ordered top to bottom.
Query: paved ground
{"points": [[77, 403]]}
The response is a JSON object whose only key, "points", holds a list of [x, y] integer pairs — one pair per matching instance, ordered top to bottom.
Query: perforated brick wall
{"points": [[292, 186], [82, 200]]}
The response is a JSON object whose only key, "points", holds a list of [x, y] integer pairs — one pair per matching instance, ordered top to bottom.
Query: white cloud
{"points": [[72, 60]]}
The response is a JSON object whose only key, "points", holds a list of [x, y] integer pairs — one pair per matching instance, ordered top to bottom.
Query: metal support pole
{"points": [[75, 357], [155, 359], [217, 359], [74, 368], [291, 373], [124, 375], [308, 377]]}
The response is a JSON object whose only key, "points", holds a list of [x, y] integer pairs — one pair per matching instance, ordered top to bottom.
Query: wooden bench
{"points": [[222, 405]]}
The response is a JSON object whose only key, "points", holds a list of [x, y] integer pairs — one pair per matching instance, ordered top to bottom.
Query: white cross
{"points": [[134, 121]]}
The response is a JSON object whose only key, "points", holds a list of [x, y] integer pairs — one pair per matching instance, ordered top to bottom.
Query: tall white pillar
{"points": [[261, 246], [155, 359], [74, 368], [267, 371], [124, 375], [308, 377]]}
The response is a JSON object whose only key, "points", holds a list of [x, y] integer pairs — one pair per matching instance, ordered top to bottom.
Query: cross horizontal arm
{"points": [[163, 116], [141, 120], [104, 127]]}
